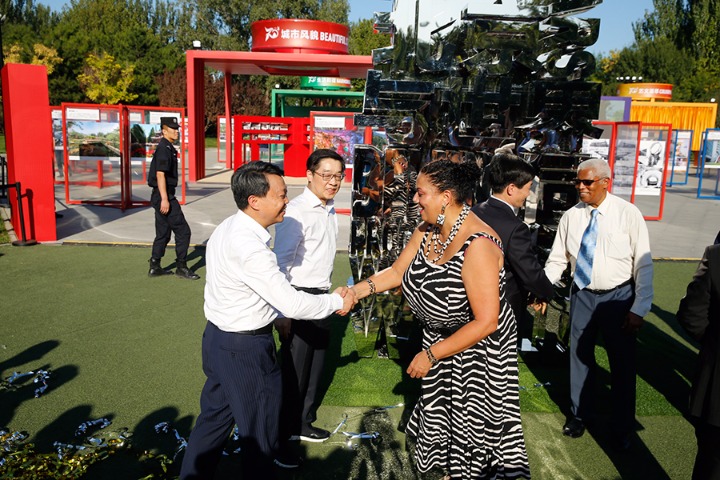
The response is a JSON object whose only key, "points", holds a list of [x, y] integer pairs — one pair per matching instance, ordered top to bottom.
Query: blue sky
{"points": [[616, 18]]}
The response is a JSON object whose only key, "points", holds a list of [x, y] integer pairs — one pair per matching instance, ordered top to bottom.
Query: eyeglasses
{"points": [[326, 177], [586, 181]]}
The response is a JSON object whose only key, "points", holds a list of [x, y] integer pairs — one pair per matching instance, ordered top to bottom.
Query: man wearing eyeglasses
{"points": [[605, 239], [305, 245]]}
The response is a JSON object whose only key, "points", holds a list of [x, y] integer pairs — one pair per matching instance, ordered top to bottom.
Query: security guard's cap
{"points": [[170, 122]]}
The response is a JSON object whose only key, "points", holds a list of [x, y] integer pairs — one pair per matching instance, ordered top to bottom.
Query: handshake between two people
{"points": [[349, 299], [283, 325]]}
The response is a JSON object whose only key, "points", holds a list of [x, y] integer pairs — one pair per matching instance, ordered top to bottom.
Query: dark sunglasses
{"points": [[586, 181]]}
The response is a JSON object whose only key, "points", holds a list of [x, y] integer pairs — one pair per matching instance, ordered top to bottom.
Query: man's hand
{"points": [[164, 206], [349, 299], [539, 306], [632, 323], [283, 327]]}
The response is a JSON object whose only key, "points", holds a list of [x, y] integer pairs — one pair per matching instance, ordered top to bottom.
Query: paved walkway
{"points": [[687, 227]]}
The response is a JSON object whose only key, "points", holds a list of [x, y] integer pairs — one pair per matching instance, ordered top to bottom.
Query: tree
{"points": [[234, 17], [667, 20], [693, 28], [132, 31], [363, 40], [40, 55], [654, 61], [106, 81], [248, 97]]}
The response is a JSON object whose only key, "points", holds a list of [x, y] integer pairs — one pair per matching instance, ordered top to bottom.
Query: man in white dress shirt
{"points": [[305, 245], [244, 292], [614, 302]]}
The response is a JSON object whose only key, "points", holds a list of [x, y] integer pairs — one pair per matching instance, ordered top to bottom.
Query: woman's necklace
{"points": [[438, 247]]}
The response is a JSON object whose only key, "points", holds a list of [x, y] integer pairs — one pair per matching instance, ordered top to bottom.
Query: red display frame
{"points": [[123, 115], [296, 142], [668, 144], [612, 160]]}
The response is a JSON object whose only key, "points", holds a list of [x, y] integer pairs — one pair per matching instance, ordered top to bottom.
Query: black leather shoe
{"points": [[156, 270], [183, 271], [574, 428], [314, 434], [288, 461]]}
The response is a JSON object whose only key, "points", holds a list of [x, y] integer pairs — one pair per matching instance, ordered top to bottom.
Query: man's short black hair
{"points": [[317, 155], [506, 169], [251, 179]]}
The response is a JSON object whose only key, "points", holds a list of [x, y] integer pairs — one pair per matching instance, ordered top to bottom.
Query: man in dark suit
{"points": [[510, 179], [699, 314]]}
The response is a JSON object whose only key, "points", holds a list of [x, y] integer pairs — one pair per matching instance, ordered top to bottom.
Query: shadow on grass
{"points": [[195, 259], [663, 362], [24, 388], [383, 457]]}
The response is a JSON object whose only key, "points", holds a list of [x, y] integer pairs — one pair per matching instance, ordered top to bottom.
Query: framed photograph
{"points": [[614, 109], [680, 157], [709, 165], [652, 167]]}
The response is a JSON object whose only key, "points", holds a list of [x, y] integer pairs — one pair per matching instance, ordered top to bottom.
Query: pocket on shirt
{"points": [[618, 246]]}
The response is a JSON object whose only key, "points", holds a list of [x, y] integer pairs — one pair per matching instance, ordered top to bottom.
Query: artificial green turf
{"points": [[126, 346]]}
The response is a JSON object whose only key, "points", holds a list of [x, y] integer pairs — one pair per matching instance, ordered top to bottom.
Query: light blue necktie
{"points": [[584, 263]]}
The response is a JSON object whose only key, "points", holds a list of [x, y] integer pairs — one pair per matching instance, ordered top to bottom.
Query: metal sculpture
{"points": [[460, 80]]}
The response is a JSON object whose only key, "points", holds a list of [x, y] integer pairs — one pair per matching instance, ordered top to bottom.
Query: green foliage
{"points": [[234, 17], [132, 31], [363, 40], [675, 43], [39, 55], [656, 61], [106, 81], [248, 96]]}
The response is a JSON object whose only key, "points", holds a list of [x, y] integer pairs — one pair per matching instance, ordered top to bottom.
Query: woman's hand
{"points": [[420, 366]]}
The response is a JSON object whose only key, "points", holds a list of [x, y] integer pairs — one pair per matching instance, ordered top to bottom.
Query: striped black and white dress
{"points": [[467, 421]]}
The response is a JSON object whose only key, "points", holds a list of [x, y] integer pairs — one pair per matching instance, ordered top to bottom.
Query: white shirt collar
{"points": [[314, 201], [252, 224]]}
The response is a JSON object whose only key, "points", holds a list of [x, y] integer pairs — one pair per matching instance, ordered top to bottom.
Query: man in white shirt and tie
{"points": [[606, 241], [305, 245], [244, 292]]}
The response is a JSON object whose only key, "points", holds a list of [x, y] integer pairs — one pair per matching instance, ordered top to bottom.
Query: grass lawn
{"points": [[126, 347]]}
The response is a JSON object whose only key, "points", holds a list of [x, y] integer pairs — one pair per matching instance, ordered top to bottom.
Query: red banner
{"points": [[299, 36]]}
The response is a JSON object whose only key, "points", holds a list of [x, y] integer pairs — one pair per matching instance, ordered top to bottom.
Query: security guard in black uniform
{"points": [[163, 179]]}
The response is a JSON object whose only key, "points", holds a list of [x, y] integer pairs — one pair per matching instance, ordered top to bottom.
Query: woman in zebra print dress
{"points": [[467, 421]]}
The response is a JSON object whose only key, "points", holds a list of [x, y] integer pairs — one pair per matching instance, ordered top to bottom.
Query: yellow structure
{"points": [[682, 116]]}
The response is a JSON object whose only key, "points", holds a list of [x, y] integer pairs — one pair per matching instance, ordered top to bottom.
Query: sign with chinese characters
{"points": [[299, 36], [325, 83], [646, 91]]}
